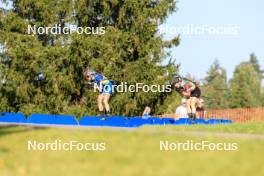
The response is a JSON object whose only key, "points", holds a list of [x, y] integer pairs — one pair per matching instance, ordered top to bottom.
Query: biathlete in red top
{"points": [[190, 91]]}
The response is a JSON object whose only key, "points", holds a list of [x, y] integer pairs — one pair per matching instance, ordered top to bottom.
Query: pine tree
{"points": [[255, 63], [44, 72], [215, 87], [245, 87]]}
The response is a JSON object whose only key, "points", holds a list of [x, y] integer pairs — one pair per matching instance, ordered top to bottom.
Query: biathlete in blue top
{"points": [[105, 87]]}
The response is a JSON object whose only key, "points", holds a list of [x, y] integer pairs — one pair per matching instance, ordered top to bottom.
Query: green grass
{"points": [[246, 128], [130, 152]]}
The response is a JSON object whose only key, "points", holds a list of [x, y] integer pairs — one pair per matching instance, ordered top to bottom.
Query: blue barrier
{"points": [[8, 117], [41, 119], [52, 119], [66, 120], [91, 121], [111, 121], [114, 121], [136, 121], [154, 121], [168, 121], [183, 121], [201, 121], [219, 121], [224, 121]]}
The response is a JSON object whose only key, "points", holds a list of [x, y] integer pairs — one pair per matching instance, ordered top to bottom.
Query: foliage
{"points": [[130, 51], [255, 63], [215, 87], [245, 87]]}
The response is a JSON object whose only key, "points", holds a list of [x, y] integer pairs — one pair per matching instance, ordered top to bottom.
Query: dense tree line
{"points": [[43, 73], [243, 90]]}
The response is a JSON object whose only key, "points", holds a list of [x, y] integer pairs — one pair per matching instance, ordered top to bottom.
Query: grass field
{"points": [[133, 152]]}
